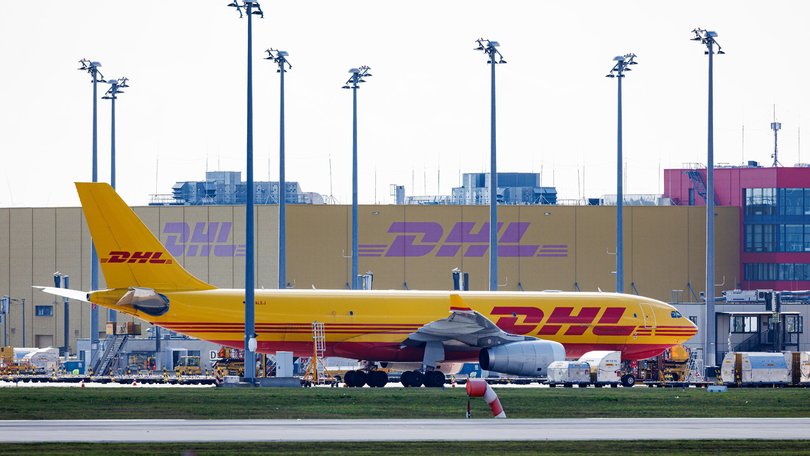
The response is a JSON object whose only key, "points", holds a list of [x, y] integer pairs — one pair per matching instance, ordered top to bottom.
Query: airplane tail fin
{"points": [[130, 255]]}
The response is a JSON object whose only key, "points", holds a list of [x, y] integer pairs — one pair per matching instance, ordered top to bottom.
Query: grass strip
{"points": [[294, 403], [567, 448]]}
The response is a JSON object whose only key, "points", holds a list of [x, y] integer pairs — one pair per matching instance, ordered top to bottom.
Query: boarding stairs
{"points": [[112, 346], [316, 369], [695, 370]]}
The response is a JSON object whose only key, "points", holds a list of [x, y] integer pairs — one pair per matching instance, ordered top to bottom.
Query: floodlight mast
{"points": [[251, 7], [707, 38], [494, 57], [280, 59], [622, 64], [92, 68], [353, 83], [112, 94]]}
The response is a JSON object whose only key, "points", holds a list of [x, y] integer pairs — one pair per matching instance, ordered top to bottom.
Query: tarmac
{"points": [[482, 429]]}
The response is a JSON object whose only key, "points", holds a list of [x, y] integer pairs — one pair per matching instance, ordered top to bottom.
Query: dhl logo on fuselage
{"points": [[122, 256], [533, 318]]}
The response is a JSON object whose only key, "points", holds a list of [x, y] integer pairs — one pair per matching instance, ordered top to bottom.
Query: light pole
{"points": [[707, 38], [489, 48], [280, 58], [622, 62], [92, 68], [356, 78], [112, 94], [63, 281], [9, 300], [4, 305], [250, 326]]}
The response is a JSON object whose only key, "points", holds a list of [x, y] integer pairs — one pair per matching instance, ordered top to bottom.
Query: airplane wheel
{"points": [[348, 377], [360, 379], [377, 379], [406, 379], [418, 379], [434, 379], [628, 380]]}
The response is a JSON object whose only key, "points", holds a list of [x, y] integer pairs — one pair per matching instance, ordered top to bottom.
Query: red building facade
{"points": [[775, 219]]}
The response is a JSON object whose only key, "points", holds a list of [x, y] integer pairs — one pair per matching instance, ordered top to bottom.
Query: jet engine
{"points": [[529, 358]]}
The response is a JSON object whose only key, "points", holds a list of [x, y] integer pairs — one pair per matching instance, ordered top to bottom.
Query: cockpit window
{"points": [[676, 314]]}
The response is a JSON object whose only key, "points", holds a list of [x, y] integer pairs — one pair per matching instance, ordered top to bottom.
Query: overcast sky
{"points": [[425, 109]]}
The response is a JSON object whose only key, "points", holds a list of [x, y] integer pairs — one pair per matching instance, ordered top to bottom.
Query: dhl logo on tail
{"points": [[121, 256]]}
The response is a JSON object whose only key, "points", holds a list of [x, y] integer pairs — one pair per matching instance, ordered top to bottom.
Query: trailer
{"points": [[606, 367], [756, 368], [568, 373]]}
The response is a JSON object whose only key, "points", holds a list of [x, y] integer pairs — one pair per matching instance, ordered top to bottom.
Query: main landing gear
{"points": [[358, 378], [415, 379]]}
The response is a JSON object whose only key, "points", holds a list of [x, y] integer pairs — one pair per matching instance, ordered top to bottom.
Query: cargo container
{"points": [[46, 359], [73, 366], [605, 367], [804, 367], [756, 368], [569, 373]]}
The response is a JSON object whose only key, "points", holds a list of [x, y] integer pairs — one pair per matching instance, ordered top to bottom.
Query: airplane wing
{"points": [[464, 328]]}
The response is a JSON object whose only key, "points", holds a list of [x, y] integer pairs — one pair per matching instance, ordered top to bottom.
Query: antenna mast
{"points": [[775, 126]]}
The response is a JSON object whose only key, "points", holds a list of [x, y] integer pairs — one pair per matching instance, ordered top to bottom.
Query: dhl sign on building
{"points": [[405, 247]]}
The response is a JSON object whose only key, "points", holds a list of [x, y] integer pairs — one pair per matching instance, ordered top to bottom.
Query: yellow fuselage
{"points": [[372, 325]]}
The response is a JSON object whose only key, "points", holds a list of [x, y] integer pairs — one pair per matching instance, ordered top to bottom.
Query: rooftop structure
{"points": [[227, 188], [513, 188]]}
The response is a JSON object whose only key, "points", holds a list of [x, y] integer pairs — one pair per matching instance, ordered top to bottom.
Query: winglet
{"points": [[458, 305]]}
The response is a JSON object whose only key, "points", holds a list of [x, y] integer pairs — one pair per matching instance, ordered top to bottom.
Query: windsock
{"points": [[480, 388]]}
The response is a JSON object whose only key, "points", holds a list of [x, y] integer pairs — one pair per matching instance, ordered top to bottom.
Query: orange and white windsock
{"points": [[480, 388]]}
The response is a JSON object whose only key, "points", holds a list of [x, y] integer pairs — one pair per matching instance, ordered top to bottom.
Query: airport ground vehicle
{"points": [[517, 333], [229, 361], [188, 365], [671, 366]]}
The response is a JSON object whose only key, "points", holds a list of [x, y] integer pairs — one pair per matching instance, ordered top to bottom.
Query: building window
{"points": [[760, 201], [791, 201], [807, 201], [760, 238], [776, 238], [791, 238], [776, 271], [43, 311], [693, 319], [744, 324], [793, 324]]}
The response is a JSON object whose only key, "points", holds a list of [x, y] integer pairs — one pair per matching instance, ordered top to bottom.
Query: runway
{"points": [[402, 430]]}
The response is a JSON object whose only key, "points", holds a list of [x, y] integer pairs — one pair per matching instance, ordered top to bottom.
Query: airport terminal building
{"points": [[410, 247]]}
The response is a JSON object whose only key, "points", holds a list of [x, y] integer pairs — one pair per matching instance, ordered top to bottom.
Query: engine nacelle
{"points": [[529, 358]]}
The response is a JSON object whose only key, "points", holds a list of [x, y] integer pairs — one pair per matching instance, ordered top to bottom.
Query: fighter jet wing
{"points": [[463, 328]]}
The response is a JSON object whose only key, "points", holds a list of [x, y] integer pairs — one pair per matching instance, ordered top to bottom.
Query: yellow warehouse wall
{"points": [[413, 247]]}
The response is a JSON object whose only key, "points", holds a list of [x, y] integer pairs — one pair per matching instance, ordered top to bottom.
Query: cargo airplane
{"points": [[518, 333]]}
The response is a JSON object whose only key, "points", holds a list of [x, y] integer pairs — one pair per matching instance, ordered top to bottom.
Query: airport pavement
{"points": [[402, 430]]}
